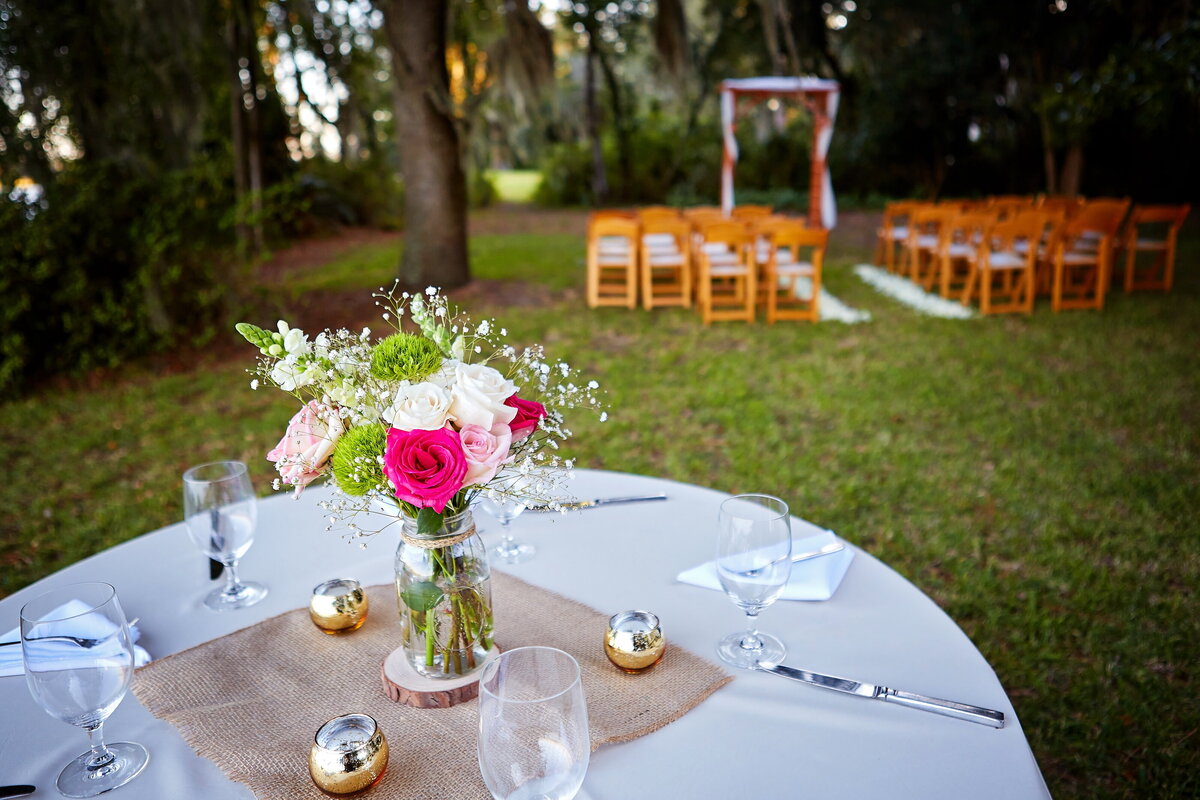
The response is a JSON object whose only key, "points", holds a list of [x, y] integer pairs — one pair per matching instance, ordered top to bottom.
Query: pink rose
{"points": [[529, 414], [485, 451], [301, 454], [426, 467]]}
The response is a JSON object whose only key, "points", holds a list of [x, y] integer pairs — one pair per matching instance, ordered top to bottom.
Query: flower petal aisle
{"points": [[904, 291], [832, 308]]}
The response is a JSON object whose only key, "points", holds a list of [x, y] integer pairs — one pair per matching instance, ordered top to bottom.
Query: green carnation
{"points": [[405, 357], [355, 461]]}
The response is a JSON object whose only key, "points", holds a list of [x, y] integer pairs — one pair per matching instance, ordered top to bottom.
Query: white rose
{"points": [[444, 377], [478, 395], [420, 406]]}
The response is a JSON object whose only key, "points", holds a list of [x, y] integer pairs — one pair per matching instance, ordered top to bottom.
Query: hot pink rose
{"points": [[529, 414], [485, 450], [301, 454], [426, 467]]}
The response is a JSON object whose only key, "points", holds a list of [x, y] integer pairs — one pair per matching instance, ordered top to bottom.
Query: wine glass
{"points": [[505, 508], [220, 509], [754, 562], [78, 657], [533, 725]]}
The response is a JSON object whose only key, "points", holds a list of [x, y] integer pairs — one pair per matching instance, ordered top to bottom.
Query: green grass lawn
{"points": [[515, 185], [1039, 476]]}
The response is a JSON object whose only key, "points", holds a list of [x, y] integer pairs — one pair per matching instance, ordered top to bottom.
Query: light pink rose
{"points": [[303, 451], [486, 451]]}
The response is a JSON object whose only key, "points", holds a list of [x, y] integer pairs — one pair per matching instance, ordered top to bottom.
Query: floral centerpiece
{"points": [[410, 429]]}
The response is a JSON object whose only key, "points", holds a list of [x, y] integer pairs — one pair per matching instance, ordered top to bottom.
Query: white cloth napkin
{"points": [[814, 579], [90, 627]]}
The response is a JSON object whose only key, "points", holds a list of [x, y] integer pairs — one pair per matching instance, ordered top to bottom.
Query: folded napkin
{"points": [[814, 579], [85, 627]]}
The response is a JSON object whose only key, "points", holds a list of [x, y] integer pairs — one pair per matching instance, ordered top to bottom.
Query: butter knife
{"points": [[578, 505], [948, 708], [16, 791]]}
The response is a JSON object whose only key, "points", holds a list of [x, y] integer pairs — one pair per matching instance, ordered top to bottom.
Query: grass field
{"points": [[1038, 476]]}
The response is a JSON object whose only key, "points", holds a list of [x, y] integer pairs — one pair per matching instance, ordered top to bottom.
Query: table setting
{"points": [[438, 605]]}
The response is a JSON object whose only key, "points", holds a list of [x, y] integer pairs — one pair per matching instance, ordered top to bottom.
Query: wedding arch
{"points": [[820, 97]]}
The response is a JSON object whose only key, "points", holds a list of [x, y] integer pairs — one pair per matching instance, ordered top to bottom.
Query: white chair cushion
{"points": [[899, 232], [659, 238], [927, 242], [1151, 244], [961, 250], [1080, 257], [722, 258], [666, 259], [613, 261], [1005, 261], [794, 268], [727, 270]]}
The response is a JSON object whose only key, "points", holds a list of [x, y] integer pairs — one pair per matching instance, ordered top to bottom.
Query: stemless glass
{"points": [[220, 509], [505, 509], [754, 562], [78, 658], [533, 725]]}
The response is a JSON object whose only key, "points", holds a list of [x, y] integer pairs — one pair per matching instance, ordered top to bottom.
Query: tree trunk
{"points": [[620, 120], [1048, 161], [1072, 171], [599, 174], [435, 187]]}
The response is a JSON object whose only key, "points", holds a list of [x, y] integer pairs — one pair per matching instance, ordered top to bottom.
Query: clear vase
{"points": [[444, 594]]}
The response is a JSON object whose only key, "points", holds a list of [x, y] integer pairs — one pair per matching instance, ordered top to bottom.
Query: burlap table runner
{"points": [[251, 701]]}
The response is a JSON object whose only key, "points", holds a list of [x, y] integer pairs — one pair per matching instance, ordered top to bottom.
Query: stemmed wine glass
{"points": [[505, 508], [220, 509], [754, 562], [78, 657], [533, 725]]}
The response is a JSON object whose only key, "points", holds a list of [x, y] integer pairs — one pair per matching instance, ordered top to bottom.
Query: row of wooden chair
{"points": [[1010, 249], [727, 266]]}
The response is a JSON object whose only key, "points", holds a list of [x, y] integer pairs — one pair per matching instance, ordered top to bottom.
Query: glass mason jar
{"points": [[444, 595]]}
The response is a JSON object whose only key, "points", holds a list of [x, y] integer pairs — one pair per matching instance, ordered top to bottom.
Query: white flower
{"points": [[295, 342], [458, 349], [291, 375], [444, 377], [478, 395], [421, 406]]}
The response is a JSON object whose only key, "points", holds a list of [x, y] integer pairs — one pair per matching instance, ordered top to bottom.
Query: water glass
{"points": [[506, 508], [221, 512], [754, 562], [78, 657], [533, 725]]}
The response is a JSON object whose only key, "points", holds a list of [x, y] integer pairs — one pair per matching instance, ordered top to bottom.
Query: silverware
{"points": [[579, 505], [827, 550], [81, 641], [949, 708], [16, 791]]}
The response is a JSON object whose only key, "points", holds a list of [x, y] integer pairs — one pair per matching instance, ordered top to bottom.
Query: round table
{"points": [[760, 736]]}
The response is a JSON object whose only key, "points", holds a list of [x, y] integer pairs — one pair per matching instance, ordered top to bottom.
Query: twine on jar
{"points": [[427, 543]]}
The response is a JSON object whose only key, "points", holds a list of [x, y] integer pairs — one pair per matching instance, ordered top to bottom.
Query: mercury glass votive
{"points": [[338, 606], [634, 641], [349, 755]]}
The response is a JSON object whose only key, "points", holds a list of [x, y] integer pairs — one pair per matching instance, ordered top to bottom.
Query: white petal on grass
{"points": [[905, 292]]}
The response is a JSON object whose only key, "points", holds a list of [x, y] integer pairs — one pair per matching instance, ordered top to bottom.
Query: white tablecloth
{"points": [[761, 736]]}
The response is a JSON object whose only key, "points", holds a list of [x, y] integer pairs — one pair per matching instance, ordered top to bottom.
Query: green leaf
{"points": [[428, 521], [421, 596]]}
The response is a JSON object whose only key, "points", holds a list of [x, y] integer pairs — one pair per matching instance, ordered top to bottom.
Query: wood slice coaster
{"points": [[405, 685]]}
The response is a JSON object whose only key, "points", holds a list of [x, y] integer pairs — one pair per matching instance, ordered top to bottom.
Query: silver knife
{"points": [[577, 505], [827, 550], [949, 708], [16, 791]]}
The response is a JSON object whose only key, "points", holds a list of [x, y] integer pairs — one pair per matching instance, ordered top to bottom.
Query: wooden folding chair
{"points": [[1059, 202], [1009, 205], [657, 213], [748, 213], [892, 234], [958, 245], [920, 248], [1082, 258], [612, 259], [666, 263], [1004, 270], [793, 272], [1161, 272], [725, 275]]}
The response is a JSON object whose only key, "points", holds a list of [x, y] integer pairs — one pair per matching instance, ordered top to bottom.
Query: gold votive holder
{"points": [[338, 606], [634, 641], [349, 755]]}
